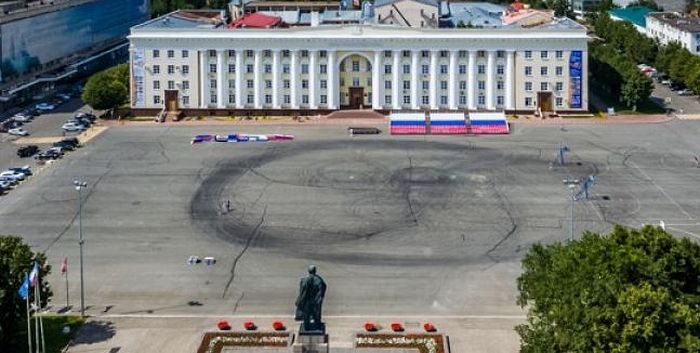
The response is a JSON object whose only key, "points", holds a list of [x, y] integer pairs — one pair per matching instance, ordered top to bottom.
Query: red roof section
{"points": [[256, 20]]}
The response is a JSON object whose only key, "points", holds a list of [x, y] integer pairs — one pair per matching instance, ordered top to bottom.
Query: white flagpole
{"points": [[41, 317], [29, 322], [36, 322]]}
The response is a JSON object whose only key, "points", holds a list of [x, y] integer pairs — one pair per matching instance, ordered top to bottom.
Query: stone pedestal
{"points": [[311, 342]]}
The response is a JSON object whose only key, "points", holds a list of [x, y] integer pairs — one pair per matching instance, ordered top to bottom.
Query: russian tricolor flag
{"points": [[407, 124], [447, 124]]}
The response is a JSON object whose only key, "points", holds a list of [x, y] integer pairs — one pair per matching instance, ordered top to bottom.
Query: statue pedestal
{"points": [[311, 342]]}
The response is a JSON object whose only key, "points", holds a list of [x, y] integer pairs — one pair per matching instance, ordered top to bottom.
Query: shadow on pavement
{"points": [[94, 332]]}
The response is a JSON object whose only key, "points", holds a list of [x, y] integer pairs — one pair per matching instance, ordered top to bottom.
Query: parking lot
{"points": [[680, 104]]}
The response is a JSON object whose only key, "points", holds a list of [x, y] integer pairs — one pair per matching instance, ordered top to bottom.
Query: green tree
{"points": [[107, 89], [636, 89], [16, 259], [630, 291]]}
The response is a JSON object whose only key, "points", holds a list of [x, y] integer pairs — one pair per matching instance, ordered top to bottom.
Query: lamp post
{"points": [[572, 183], [79, 185]]}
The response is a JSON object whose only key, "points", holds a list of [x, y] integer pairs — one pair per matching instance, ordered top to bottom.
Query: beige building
{"points": [[408, 13]]}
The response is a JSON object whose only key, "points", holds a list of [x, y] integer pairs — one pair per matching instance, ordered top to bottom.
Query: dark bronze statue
{"points": [[312, 289]]}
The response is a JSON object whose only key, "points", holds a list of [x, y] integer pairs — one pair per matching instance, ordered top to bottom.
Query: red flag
{"points": [[64, 266]]}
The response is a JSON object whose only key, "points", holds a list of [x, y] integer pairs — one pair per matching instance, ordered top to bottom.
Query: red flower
{"points": [[223, 325], [249, 325], [278, 326], [370, 327], [397, 327], [429, 327]]}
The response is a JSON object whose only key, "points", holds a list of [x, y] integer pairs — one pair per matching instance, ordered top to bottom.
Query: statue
{"points": [[312, 289]]}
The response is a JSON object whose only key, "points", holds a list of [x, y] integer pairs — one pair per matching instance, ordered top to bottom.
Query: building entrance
{"points": [[355, 75]]}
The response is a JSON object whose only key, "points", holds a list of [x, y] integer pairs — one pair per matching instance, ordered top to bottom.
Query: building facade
{"points": [[670, 27], [382, 67]]}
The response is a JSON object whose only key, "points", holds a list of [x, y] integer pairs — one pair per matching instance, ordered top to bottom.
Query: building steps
{"points": [[355, 114]]}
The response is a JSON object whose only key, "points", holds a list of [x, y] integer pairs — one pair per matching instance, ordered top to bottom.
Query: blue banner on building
{"points": [[576, 79]]}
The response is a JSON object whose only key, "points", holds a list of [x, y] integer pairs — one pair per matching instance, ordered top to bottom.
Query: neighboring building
{"points": [[581, 7], [408, 13], [471, 14], [636, 15], [674, 27], [207, 67]]}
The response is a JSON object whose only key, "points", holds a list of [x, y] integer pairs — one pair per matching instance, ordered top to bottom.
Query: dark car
{"points": [[88, 116], [83, 121], [11, 124], [72, 141], [64, 145], [27, 151], [47, 155], [24, 170]]}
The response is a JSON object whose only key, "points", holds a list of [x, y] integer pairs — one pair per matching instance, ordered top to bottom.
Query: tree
{"points": [[107, 89], [636, 89], [16, 259], [630, 291]]}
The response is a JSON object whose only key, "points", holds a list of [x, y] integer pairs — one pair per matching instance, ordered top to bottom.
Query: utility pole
{"points": [[572, 183], [79, 185]]}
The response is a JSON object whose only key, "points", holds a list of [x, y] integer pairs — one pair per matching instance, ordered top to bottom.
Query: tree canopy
{"points": [[107, 89], [16, 259], [630, 291]]}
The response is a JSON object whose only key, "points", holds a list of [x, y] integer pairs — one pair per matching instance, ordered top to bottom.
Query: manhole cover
{"points": [[579, 163], [606, 197]]}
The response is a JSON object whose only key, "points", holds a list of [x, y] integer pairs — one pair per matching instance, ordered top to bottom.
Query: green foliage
{"points": [[622, 36], [679, 64], [636, 88], [107, 89], [16, 259], [630, 291]]}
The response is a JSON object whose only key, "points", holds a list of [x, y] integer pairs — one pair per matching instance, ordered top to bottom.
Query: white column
{"points": [[203, 72], [240, 72], [220, 79], [258, 79], [294, 79], [433, 79], [509, 79], [396, 80], [415, 80], [491, 80], [313, 81], [454, 81], [471, 81], [332, 82], [376, 82], [276, 87]]}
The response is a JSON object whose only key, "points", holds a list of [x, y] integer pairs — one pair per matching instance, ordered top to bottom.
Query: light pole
{"points": [[572, 183], [79, 185]]}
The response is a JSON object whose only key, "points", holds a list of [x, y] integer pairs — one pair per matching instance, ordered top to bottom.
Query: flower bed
{"points": [[214, 342], [425, 343]]}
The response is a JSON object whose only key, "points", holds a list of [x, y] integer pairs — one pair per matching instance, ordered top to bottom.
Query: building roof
{"points": [[380, 3], [477, 14], [635, 14], [186, 19], [256, 20], [676, 20]]}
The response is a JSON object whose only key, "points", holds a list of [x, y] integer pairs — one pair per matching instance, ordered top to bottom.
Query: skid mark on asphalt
{"points": [[251, 236]]}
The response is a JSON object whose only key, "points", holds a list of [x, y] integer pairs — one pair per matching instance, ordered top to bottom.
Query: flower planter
{"points": [[223, 325], [249, 325], [278, 326], [370, 327], [396, 327], [429, 327]]}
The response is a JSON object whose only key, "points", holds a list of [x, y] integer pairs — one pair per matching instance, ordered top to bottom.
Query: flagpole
{"points": [[67, 301], [41, 317], [36, 323], [29, 324]]}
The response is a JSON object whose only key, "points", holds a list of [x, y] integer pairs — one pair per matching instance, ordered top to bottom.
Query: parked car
{"points": [[666, 82], [686, 92], [65, 96], [44, 107], [89, 116], [22, 117], [11, 124], [72, 126], [18, 131], [73, 141], [64, 146], [57, 150], [27, 151], [48, 154], [26, 170], [19, 176], [9, 179], [6, 185]]}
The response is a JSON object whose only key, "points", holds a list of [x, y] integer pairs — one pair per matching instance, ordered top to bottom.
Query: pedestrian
{"points": [[228, 206]]}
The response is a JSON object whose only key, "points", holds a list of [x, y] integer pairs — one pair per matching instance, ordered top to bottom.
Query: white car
{"points": [[685, 92], [64, 96], [45, 107], [21, 118], [72, 127], [18, 131], [12, 174], [5, 185]]}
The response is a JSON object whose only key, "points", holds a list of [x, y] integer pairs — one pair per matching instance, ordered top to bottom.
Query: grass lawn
{"points": [[646, 107], [53, 333]]}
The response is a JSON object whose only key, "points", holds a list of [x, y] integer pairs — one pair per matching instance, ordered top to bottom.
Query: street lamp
{"points": [[572, 183], [79, 185]]}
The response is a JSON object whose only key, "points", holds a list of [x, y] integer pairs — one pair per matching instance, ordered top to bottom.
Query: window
{"points": [[212, 53], [231, 53], [267, 53], [304, 53], [387, 53], [424, 53], [443, 53], [462, 53], [481, 53], [156, 54], [171, 54], [185, 54], [249, 54], [322, 54], [406, 54], [500, 54], [528, 54], [544, 54], [559, 54], [355, 66], [342, 67], [212, 68], [231, 68], [249, 68], [268, 68], [285, 68], [304, 68], [323, 68], [156, 69], [171, 69], [185, 69], [387, 69], [407, 69], [425, 69], [443, 69], [462, 69], [481, 69], [500, 69], [528, 70], [559, 70], [544, 71], [355, 81], [369, 81], [231, 83], [249, 83], [156, 84], [212, 84], [268, 84], [286, 84], [305, 84], [323, 84], [387, 84], [406, 84], [425, 84], [462, 84], [185, 85], [443, 85], [482, 85], [499, 85], [528, 86], [544, 86], [559, 86], [213, 98], [232, 98], [156, 99], [250, 99], [268, 99], [287, 99], [305, 99], [323, 99], [387, 99], [406, 99], [185, 100], [425, 100], [443, 100], [462, 100], [481, 100], [499, 100], [528, 101], [559, 101]]}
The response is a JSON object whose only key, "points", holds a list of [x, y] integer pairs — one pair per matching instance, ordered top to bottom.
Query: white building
{"points": [[670, 27], [190, 63]]}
